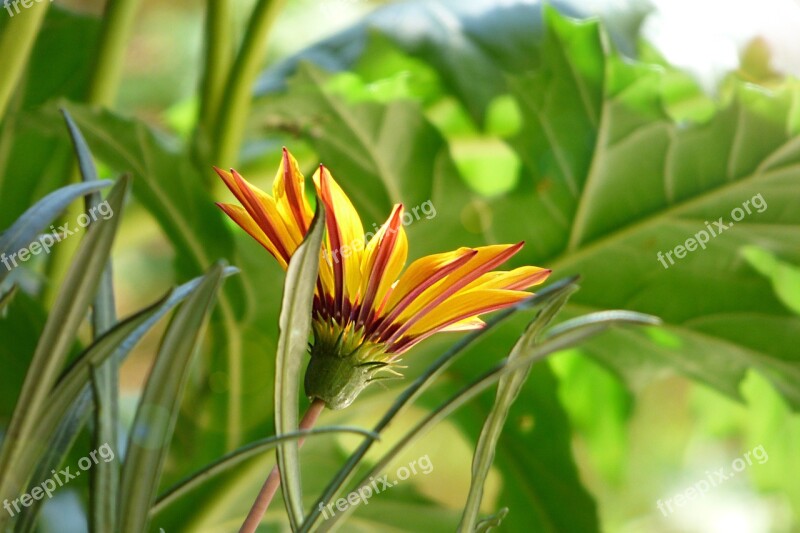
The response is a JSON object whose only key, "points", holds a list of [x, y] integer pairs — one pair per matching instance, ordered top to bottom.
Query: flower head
{"points": [[367, 310]]}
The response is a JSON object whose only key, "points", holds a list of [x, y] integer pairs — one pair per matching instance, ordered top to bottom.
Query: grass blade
{"points": [[295, 326], [57, 337], [565, 337], [419, 385], [507, 391], [158, 409], [236, 458]]}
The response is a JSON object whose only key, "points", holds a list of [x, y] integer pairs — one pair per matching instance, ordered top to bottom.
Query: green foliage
{"points": [[520, 124]]}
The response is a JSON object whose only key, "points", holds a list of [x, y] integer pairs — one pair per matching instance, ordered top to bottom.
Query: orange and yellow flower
{"points": [[367, 310]]}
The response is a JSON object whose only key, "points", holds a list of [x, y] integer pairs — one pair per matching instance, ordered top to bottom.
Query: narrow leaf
{"points": [[33, 221], [6, 298], [295, 326], [59, 333], [105, 379], [507, 391], [67, 398], [158, 409], [59, 442], [236, 458]]}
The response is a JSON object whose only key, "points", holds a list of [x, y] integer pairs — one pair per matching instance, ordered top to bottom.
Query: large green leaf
{"points": [[473, 45], [33, 162], [616, 163], [635, 183]]}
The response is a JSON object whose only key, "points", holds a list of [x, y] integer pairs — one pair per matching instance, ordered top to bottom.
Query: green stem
{"points": [[117, 25], [16, 44], [218, 56], [103, 86], [235, 104]]}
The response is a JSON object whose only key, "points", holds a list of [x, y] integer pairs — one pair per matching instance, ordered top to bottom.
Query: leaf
{"points": [[473, 46], [614, 171], [170, 187], [27, 227], [785, 278], [7, 296], [62, 324], [295, 327], [565, 337], [105, 378], [507, 392], [69, 408], [158, 408], [60, 441], [232, 460], [492, 522]]}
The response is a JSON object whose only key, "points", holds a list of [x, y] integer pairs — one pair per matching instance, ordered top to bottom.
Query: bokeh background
{"points": [[510, 119]]}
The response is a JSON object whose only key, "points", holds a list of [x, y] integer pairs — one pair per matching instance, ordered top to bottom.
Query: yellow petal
{"points": [[289, 191], [261, 207], [246, 222], [345, 238], [486, 258], [382, 262], [430, 269], [518, 279], [459, 308], [465, 325]]}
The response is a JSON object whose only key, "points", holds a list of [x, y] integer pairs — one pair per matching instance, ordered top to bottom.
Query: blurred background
{"points": [[397, 99]]}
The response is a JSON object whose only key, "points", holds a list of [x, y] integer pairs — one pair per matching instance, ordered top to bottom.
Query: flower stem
{"points": [[273, 481]]}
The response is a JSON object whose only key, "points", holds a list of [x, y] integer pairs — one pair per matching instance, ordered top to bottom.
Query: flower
{"points": [[367, 311]]}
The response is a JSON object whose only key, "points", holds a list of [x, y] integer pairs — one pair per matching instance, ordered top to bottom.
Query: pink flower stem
{"points": [[273, 481]]}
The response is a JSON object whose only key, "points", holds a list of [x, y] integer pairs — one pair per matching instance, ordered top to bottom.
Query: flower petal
{"points": [[290, 196], [263, 210], [246, 222], [346, 239], [384, 258], [486, 258], [518, 279], [461, 307], [465, 325]]}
